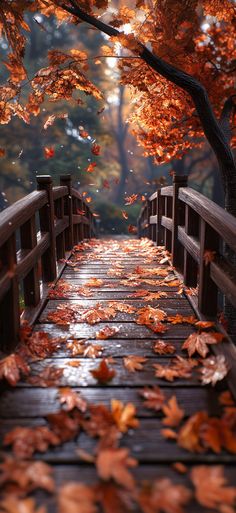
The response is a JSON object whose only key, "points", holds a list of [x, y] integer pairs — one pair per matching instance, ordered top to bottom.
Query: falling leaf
{"points": [[83, 133], [95, 149], [2, 152], [49, 152], [91, 167], [131, 199], [124, 214], [209, 256], [107, 332], [198, 342], [161, 347], [134, 363], [11, 367], [214, 369], [103, 373], [154, 398], [71, 400], [173, 413], [124, 415], [114, 464], [211, 490]]}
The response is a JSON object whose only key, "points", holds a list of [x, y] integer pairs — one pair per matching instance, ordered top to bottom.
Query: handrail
{"points": [[191, 227], [36, 233]]}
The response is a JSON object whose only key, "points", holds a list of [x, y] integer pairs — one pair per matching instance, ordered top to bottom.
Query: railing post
{"points": [[68, 209], [149, 213], [160, 213], [178, 214], [46, 216], [28, 237], [60, 240], [190, 265], [208, 292], [10, 310]]}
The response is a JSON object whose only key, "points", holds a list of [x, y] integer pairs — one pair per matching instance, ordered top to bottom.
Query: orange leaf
{"points": [[103, 373]]}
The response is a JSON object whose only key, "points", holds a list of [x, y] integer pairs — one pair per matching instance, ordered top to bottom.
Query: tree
{"points": [[173, 108]]}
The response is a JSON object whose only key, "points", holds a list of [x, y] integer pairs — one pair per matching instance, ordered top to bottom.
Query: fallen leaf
{"points": [[107, 332], [198, 342], [161, 347], [134, 363], [11, 367], [214, 369], [103, 373], [154, 397], [71, 400], [173, 413], [124, 415], [25, 440], [114, 464], [26, 475], [211, 490], [164, 496], [74, 497], [11, 504]]}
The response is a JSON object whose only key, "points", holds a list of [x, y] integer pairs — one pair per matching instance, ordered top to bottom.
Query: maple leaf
{"points": [[95, 149], [49, 152], [91, 167], [131, 199], [132, 228], [209, 256], [94, 282], [122, 307], [148, 315], [181, 319], [107, 332], [198, 342], [41, 345], [76, 347], [161, 347], [93, 351], [134, 363], [11, 367], [177, 368], [214, 368], [103, 373], [48, 377], [154, 397], [226, 398], [71, 400], [173, 413], [124, 415], [65, 425], [26, 441], [114, 464], [26, 475], [211, 490], [74, 496], [164, 496], [11, 504]]}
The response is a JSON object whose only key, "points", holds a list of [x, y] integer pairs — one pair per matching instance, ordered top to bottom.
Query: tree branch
{"points": [[228, 109], [211, 127]]}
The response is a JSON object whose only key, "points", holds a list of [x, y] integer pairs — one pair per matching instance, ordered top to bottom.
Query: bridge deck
{"points": [[28, 404]]}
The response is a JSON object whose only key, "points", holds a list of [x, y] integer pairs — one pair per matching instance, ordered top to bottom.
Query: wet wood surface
{"points": [[27, 404]]}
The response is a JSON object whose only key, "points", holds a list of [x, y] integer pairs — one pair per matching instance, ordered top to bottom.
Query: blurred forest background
{"points": [[121, 169]]}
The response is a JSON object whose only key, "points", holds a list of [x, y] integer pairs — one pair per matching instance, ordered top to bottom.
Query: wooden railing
{"points": [[189, 225], [36, 233]]}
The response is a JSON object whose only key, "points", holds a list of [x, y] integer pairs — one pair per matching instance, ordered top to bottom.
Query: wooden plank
{"points": [[128, 330], [81, 376], [38, 402], [146, 443]]}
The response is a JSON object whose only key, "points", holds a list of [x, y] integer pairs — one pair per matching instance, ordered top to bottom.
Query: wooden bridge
{"points": [[105, 323]]}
